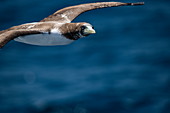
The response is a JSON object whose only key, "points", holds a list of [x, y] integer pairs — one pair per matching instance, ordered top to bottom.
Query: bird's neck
{"points": [[71, 31]]}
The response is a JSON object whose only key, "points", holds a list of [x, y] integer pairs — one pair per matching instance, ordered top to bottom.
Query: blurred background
{"points": [[124, 68]]}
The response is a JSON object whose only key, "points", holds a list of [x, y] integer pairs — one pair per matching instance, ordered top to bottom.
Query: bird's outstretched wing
{"points": [[66, 15], [22, 30], [5, 37]]}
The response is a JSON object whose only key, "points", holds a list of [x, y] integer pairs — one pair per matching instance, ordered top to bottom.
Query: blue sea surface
{"points": [[123, 68]]}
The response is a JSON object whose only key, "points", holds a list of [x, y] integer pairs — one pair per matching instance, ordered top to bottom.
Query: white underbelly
{"points": [[44, 39]]}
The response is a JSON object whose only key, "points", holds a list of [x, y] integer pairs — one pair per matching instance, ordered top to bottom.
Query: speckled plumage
{"points": [[56, 25]]}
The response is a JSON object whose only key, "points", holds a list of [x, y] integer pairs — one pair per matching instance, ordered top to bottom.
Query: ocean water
{"points": [[123, 68]]}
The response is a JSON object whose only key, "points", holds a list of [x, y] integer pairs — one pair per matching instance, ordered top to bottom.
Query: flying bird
{"points": [[57, 28]]}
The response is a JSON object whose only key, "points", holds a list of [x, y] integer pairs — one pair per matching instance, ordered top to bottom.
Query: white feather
{"points": [[55, 38]]}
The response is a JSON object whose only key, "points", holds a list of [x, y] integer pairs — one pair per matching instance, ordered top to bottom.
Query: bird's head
{"points": [[86, 29], [74, 31]]}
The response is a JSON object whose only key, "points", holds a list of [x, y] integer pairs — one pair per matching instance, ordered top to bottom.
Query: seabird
{"points": [[57, 28]]}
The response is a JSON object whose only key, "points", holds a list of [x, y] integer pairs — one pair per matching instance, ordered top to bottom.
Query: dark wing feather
{"points": [[68, 14], [21, 30], [7, 36]]}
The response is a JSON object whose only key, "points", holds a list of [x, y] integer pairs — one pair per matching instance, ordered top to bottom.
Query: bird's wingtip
{"points": [[137, 3]]}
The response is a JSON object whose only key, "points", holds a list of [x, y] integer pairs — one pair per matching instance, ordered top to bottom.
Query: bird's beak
{"points": [[89, 31], [92, 31]]}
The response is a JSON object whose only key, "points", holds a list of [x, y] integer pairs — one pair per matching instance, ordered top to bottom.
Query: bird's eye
{"points": [[83, 27], [92, 27]]}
